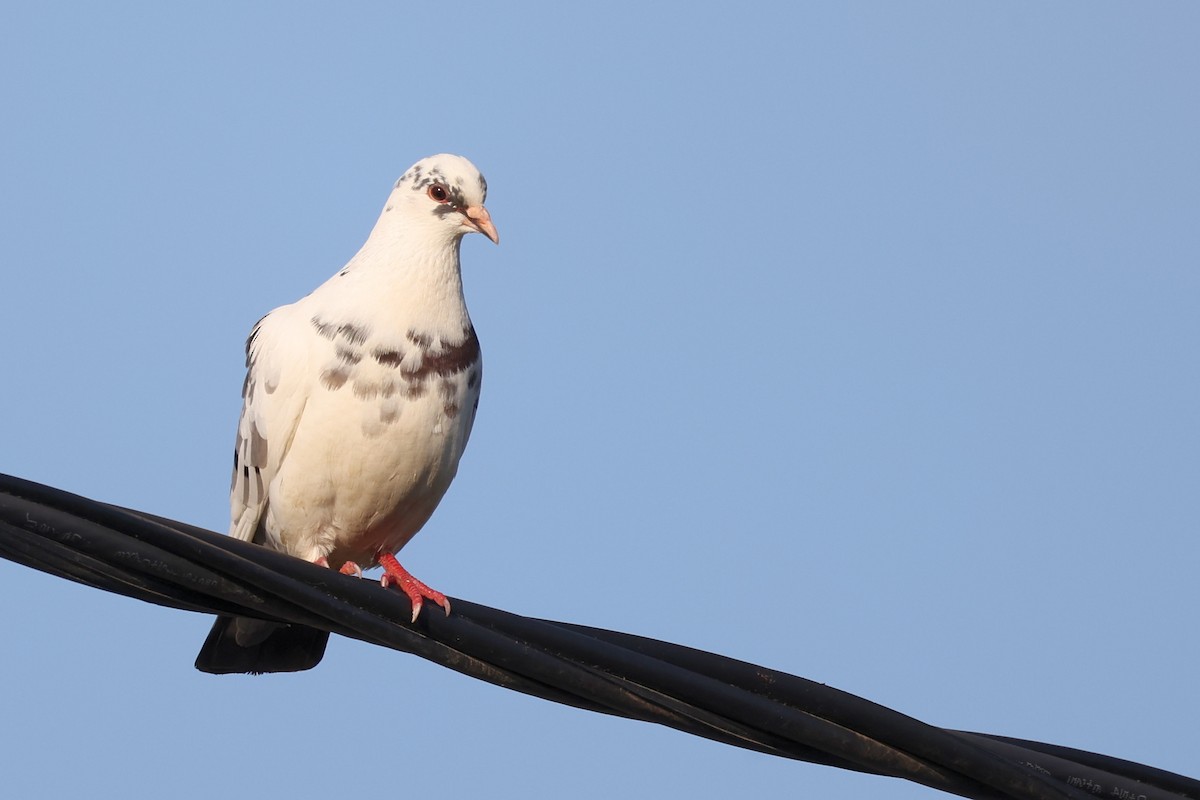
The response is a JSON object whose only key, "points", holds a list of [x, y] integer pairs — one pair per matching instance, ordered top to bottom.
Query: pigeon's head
{"points": [[444, 193]]}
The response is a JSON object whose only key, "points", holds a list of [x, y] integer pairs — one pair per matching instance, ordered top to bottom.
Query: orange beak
{"points": [[478, 219]]}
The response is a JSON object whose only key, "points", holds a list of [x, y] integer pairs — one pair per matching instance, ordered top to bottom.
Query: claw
{"points": [[348, 568], [417, 592]]}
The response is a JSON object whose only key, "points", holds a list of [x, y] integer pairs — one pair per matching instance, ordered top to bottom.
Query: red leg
{"points": [[416, 591]]}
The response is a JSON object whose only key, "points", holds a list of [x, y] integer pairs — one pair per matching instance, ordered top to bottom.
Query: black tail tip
{"points": [[287, 648]]}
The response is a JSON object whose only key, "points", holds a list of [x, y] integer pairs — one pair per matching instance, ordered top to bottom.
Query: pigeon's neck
{"points": [[409, 256], [413, 279]]}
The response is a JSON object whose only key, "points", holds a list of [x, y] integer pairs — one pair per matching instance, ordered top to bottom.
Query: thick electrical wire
{"points": [[174, 564]]}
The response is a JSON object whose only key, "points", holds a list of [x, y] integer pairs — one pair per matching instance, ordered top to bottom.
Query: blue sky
{"points": [[853, 339]]}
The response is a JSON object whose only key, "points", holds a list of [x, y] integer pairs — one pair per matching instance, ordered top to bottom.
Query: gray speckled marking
{"points": [[414, 175], [420, 181], [445, 210], [324, 329], [347, 331], [354, 334], [421, 340], [345, 354], [333, 378], [472, 378], [365, 390], [257, 453]]}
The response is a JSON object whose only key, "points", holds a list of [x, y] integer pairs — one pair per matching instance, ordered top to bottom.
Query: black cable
{"points": [[181, 566]]}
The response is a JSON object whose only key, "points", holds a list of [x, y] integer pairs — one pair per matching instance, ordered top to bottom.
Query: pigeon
{"points": [[357, 406]]}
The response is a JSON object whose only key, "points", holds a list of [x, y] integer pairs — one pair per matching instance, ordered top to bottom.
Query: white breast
{"points": [[378, 443]]}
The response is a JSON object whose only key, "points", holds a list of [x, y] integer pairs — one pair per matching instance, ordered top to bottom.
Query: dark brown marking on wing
{"points": [[388, 357], [451, 359], [443, 361]]}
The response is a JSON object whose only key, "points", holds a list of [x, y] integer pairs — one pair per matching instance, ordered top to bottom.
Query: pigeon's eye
{"points": [[438, 192]]}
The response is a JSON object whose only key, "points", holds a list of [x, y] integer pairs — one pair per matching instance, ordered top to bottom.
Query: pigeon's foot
{"points": [[349, 568], [417, 592]]}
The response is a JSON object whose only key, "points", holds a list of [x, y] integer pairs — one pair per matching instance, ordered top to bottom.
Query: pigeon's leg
{"points": [[349, 568], [416, 591]]}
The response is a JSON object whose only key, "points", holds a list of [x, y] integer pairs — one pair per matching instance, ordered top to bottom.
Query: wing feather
{"points": [[273, 399]]}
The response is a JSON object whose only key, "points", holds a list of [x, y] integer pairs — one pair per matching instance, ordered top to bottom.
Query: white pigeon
{"points": [[358, 403]]}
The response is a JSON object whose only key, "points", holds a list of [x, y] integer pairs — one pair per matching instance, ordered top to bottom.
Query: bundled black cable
{"points": [[178, 565]]}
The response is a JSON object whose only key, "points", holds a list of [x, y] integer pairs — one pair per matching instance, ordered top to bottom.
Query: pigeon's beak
{"points": [[478, 219]]}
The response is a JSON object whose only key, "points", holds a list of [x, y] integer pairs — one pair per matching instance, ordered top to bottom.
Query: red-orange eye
{"points": [[439, 193]]}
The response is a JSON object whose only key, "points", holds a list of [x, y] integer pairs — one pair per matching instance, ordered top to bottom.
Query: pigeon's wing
{"points": [[278, 381]]}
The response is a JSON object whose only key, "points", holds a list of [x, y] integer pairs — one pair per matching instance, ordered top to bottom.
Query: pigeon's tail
{"points": [[237, 644]]}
